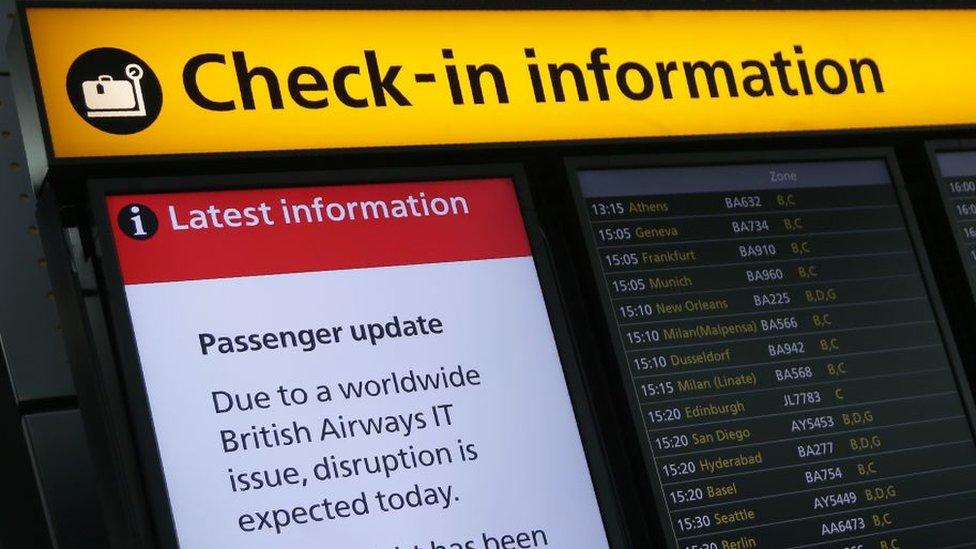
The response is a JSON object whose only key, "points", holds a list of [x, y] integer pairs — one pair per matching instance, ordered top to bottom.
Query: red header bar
{"points": [[221, 234]]}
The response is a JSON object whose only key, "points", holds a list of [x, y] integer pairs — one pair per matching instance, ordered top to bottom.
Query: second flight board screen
{"points": [[957, 185], [782, 354]]}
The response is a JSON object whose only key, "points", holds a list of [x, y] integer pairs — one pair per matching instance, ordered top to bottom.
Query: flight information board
{"points": [[957, 185], [785, 358]]}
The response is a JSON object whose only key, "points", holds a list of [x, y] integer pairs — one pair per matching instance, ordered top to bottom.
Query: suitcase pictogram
{"points": [[106, 97]]}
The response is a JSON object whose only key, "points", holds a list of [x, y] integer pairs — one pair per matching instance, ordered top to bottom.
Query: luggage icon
{"points": [[106, 97]]}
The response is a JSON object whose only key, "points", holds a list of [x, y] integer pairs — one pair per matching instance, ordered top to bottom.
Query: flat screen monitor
{"points": [[957, 185], [785, 359], [351, 361]]}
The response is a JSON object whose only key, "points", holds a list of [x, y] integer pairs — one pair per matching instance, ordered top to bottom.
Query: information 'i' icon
{"points": [[138, 221]]}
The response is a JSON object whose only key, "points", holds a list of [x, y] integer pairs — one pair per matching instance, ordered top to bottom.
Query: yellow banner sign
{"points": [[123, 82]]}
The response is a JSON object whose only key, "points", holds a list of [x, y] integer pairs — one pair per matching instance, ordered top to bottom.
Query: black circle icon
{"points": [[114, 91], [138, 221]]}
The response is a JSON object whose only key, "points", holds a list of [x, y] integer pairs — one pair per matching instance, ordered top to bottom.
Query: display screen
{"points": [[957, 185], [782, 354], [357, 366]]}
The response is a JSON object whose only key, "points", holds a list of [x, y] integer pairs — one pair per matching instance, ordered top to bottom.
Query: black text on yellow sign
{"points": [[593, 79], [304, 80]]}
